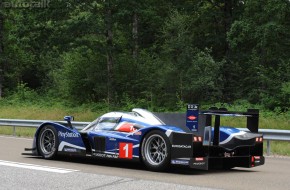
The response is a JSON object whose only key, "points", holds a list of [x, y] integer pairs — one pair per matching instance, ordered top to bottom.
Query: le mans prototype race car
{"points": [[141, 135]]}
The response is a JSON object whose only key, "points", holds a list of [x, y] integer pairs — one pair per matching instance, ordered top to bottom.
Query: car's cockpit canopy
{"points": [[117, 120]]}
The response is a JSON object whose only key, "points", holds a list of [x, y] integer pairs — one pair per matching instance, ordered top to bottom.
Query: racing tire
{"points": [[47, 142], [155, 151]]}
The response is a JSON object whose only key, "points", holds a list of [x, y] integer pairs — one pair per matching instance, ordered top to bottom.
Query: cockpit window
{"points": [[106, 123]]}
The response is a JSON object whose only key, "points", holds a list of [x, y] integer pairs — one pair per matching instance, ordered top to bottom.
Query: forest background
{"points": [[159, 55]]}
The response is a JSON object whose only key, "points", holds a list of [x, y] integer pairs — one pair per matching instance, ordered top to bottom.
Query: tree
{"points": [[259, 42], [1, 47]]}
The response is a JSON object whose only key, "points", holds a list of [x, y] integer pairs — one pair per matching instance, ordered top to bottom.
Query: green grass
{"points": [[47, 113], [265, 122], [278, 148]]}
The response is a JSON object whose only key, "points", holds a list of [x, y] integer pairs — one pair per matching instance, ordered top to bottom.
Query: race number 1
{"points": [[126, 150]]}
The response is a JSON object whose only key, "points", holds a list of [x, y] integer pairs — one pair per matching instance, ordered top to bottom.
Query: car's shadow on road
{"points": [[124, 164]]}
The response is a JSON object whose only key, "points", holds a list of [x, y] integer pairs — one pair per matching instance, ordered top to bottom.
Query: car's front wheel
{"points": [[47, 142], [155, 151]]}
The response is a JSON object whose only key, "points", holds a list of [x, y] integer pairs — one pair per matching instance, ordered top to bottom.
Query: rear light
{"points": [[197, 139], [259, 139], [199, 159], [253, 161]]}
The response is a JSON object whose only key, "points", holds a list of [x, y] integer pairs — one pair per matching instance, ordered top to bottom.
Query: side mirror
{"points": [[68, 118]]}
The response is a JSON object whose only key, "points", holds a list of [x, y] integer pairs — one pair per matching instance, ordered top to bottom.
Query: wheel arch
{"points": [[56, 126], [157, 128], [165, 129], [38, 131], [161, 133]]}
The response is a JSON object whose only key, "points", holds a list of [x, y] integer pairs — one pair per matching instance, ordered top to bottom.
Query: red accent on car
{"points": [[191, 117], [126, 127], [126, 150], [199, 159], [253, 161]]}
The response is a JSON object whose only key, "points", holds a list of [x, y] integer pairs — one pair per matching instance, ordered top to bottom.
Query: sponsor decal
{"points": [[192, 106], [191, 117], [138, 133], [68, 135], [112, 139], [64, 144], [180, 146], [70, 150], [229, 154], [102, 155], [257, 161], [180, 162], [198, 163]]}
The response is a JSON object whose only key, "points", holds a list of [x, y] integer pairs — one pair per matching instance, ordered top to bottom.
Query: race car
{"points": [[140, 135]]}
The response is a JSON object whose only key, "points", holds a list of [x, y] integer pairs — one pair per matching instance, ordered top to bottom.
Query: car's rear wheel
{"points": [[47, 142], [155, 151]]}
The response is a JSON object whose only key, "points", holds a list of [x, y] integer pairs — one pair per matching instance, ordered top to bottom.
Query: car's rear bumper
{"points": [[205, 163]]}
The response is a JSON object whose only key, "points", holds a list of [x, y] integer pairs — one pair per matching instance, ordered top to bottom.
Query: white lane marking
{"points": [[18, 138], [36, 167]]}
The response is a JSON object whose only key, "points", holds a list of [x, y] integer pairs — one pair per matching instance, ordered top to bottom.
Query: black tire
{"points": [[47, 142], [155, 151]]}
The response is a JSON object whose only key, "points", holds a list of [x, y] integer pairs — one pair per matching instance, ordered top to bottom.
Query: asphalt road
{"points": [[89, 173]]}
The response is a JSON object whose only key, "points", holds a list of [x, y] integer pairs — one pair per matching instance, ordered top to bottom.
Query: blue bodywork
{"points": [[71, 141], [199, 144]]}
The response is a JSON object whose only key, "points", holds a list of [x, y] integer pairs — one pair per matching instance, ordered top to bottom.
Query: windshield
{"points": [[103, 123]]}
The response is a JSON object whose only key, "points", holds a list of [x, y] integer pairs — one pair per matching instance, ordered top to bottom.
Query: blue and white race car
{"points": [[142, 136]]}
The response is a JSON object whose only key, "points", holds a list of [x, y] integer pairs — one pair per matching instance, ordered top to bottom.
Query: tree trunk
{"points": [[227, 22], [109, 35], [135, 35], [1, 48], [228, 72]]}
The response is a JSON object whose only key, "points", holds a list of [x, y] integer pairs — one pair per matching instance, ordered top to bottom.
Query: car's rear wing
{"points": [[200, 122]]}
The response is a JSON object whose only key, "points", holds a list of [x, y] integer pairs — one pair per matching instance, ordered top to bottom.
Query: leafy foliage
{"points": [[152, 54]]}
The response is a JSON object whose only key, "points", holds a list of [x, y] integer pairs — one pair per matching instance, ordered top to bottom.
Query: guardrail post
{"points": [[14, 131], [268, 147]]}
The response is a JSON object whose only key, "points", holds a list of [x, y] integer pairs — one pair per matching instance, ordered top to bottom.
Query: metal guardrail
{"points": [[36, 123], [268, 134], [272, 135]]}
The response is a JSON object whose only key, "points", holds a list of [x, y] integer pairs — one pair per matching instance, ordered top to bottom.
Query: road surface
{"points": [[26, 172]]}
